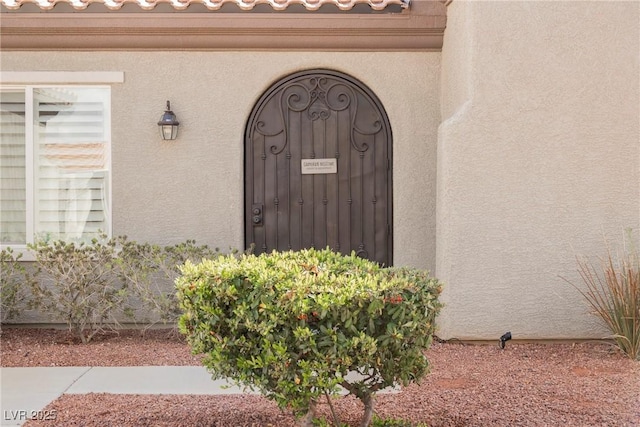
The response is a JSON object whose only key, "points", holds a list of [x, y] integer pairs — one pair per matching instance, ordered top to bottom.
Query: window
{"points": [[54, 163]]}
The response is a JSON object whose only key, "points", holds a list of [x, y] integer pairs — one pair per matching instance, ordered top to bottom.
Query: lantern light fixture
{"points": [[168, 124]]}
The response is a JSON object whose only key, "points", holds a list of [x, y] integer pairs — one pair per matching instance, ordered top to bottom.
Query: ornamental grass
{"points": [[612, 290]]}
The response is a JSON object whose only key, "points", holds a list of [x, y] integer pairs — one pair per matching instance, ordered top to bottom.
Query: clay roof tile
{"points": [[209, 4]]}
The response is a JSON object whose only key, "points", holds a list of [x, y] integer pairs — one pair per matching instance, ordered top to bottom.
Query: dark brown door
{"points": [[318, 168]]}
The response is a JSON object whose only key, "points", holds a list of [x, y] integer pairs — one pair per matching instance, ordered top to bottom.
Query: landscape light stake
{"points": [[503, 339]]}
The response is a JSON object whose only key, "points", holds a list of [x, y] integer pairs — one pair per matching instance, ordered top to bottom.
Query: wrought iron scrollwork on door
{"points": [[329, 116]]}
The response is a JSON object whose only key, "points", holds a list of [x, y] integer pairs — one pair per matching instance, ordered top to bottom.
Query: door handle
{"points": [[256, 215]]}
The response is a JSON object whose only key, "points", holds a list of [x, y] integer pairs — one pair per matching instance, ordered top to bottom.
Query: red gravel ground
{"points": [[587, 384]]}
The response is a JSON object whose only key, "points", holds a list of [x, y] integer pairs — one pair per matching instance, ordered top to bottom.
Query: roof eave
{"points": [[420, 28]]}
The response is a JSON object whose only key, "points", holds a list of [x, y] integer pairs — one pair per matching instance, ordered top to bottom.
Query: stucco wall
{"points": [[538, 160], [192, 188]]}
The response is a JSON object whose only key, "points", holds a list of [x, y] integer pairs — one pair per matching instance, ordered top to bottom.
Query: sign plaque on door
{"points": [[319, 166]]}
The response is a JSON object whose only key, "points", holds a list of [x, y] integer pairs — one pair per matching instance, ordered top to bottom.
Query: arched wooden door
{"points": [[318, 167]]}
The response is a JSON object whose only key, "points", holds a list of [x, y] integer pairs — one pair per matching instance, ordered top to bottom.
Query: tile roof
{"points": [[209, 4]]}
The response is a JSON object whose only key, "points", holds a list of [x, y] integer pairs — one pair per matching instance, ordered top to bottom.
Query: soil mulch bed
{"points": [[57, 347], [586, 384]]}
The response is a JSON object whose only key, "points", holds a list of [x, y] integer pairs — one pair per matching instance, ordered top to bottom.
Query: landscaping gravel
{"points": [[586, 384]]}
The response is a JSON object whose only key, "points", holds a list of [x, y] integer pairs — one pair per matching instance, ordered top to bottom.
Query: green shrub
{"points": [[151, 270], [14, 284], [79, 284], [92, 286], [612, 290], [293, 325], [376, 421], [392, 422]]}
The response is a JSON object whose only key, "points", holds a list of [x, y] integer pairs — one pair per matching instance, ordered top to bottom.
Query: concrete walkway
{"points": [[25, 392]]}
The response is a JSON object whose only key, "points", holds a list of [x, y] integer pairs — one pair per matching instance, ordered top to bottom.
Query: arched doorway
{"points": [[318, 167]]}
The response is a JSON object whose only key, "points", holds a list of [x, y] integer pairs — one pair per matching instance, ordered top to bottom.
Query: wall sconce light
{"points": [[168, 124]]}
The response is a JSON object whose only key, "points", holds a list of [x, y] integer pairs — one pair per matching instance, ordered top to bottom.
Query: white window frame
{"points": [[28, 81]]}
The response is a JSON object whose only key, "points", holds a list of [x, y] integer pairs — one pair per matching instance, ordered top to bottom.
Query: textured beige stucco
{"points": [[538, 151], [538, 160], [192, 188]]}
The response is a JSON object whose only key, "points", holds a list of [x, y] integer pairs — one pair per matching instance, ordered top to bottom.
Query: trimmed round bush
{"points": [[297, 325]]}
